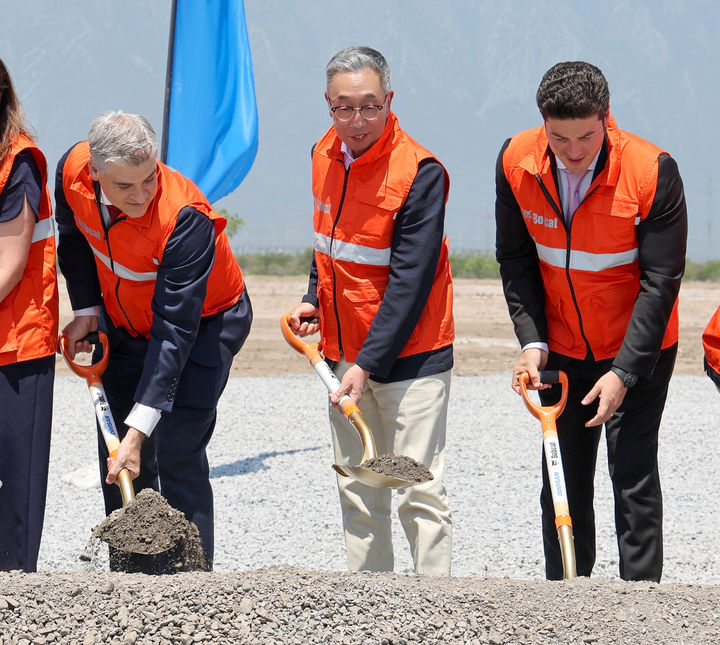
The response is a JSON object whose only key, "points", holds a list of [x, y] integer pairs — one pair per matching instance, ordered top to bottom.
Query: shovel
{"points": [[92, 373], [351, 412], [547, 416]]}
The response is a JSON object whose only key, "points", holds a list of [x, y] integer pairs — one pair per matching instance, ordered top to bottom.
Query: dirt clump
{"points": [[399, 466], [150, 526]]}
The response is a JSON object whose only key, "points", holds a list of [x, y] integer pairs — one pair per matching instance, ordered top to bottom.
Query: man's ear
{"points": [[389, 99], [606, 119], [94, 173]]}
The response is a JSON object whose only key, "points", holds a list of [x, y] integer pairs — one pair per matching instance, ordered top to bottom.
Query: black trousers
{"points": [[26, 400], [632, 444], [173, 459]]}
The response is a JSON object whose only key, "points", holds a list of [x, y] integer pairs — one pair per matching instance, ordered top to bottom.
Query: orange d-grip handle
{"points": [[309, 349], [91, 373], [548, 411]]}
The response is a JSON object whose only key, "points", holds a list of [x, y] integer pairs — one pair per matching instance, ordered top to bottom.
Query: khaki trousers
{"points": [[407, 418]]}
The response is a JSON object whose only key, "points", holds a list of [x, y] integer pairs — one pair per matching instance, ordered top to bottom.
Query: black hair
{"points": [[573, 90]]}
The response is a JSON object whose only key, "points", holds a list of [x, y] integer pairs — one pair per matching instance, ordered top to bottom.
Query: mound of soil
{"points": [[399, 466], [150, 526], [295, 607]]}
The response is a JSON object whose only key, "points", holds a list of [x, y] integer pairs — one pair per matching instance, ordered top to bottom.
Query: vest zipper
{"points": [[106, 229], [568, 229], [332, 261]]}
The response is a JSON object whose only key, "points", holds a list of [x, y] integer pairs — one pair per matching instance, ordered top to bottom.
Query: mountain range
{"points": [[464, 74]]}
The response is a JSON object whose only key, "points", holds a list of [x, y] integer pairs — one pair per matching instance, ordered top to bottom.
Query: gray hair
{"points": [[355, 59], [116, 137]]}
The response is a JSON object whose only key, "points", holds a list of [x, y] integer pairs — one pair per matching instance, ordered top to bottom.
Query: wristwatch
{"points": [[628, 379]]}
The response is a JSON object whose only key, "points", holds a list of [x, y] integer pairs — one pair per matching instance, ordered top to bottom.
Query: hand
{"points": [[80, 327], [302, 327], [531, 361], [352, 384], [611, 391], [127, 456]]}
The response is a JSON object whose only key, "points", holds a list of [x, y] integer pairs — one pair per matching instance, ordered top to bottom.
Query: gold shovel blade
{"points": [[373, 479]]}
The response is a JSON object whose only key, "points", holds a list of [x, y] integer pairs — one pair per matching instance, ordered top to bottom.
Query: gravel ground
{"points": [[280, 555]]}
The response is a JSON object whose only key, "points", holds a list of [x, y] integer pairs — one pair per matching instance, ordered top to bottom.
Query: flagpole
{"points": [[168, 84]]}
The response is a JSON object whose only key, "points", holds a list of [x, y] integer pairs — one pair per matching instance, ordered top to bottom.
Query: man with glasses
{"points": [[591, 230], [381, 287]]}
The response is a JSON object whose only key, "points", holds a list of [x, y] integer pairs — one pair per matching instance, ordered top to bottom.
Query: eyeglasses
{"points": [[367, 112]]}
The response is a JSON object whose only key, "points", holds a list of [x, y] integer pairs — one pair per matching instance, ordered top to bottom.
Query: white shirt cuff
{"points": [[88, 311], [542, 346], [143, 418]]}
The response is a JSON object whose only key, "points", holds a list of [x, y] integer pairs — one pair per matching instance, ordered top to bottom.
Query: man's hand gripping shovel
{"points": [[92, 373], [351, 412], [553, 459]]}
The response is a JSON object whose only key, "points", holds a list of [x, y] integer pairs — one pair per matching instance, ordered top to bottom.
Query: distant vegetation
{"points": [[276, 264], [464, 265], [708, 271]]}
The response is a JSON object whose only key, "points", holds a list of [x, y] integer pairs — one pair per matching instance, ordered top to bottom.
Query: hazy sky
{"points": [[464, 74]]}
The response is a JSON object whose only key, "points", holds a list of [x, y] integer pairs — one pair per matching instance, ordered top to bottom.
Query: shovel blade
{"points": [[372, 478]]}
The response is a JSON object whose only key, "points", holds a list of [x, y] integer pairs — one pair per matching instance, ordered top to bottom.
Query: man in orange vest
{"points": [[591, 232], [146, 260], [382, 288]]}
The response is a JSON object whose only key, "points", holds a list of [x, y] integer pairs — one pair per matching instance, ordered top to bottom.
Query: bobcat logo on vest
{"points": [[322, 206], [534, 218]]}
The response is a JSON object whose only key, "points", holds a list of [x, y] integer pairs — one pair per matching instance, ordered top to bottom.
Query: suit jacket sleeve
{"points": [[662, 237], [516, 253], [177, 307]]}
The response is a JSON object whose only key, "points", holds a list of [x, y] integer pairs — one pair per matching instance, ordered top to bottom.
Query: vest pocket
{"points": [[383, 197], [359, 306], [561, 332]]}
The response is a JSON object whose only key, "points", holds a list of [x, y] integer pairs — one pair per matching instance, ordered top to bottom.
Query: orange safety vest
{"points": [[354, 219], [127, 257], [591, 287], [29, 313], [711, 346]]}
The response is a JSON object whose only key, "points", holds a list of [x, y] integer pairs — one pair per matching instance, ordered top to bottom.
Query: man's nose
{"points": [[574, 149]]}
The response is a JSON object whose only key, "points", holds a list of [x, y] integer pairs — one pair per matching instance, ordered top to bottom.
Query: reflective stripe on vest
{"points": [[44, 230], [349, 252], [584, 261], [121, 271]]}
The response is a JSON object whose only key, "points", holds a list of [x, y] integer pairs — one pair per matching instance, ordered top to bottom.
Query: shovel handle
{"points": [[310, 350], [313, 354], [91, 373], [548, 411]]}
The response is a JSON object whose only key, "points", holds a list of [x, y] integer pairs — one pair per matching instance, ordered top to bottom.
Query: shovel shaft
{"points": [[106, 423], [553, 460], [126, 486], [567, 549]]}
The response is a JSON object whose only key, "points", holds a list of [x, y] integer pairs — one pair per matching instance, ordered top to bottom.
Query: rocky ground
{"points": [[288, 604]]}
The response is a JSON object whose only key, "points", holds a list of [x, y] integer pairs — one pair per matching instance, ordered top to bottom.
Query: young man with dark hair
{"points": [[591, 233]]}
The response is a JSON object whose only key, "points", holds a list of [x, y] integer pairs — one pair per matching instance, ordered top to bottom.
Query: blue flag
{"points": [[211, 129]]}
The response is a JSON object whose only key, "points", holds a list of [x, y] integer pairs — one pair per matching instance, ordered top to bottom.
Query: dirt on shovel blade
{"points": [[399, 466], [149, 525]]}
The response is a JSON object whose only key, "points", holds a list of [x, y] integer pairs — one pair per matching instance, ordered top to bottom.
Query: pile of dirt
{"points": [[399, 466], [149, 526], [296, 606]]}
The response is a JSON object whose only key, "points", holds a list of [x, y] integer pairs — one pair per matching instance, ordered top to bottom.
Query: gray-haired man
{"points": [[146, 260], [382, 287]]}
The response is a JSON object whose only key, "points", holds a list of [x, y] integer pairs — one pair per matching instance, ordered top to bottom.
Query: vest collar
{"points": [[330, 144], [539, 160]]}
